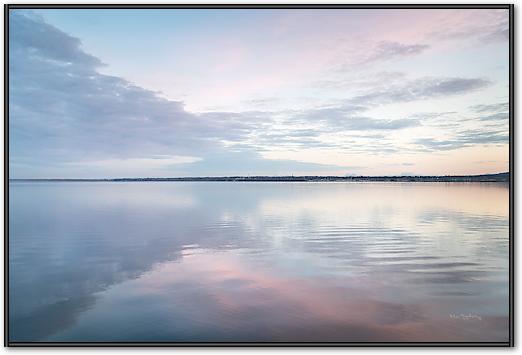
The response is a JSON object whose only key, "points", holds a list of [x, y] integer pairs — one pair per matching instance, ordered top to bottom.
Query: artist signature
{"points": [[468, 316]]}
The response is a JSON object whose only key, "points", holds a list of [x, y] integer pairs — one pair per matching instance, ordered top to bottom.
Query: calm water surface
{"points": [[221, 261]]}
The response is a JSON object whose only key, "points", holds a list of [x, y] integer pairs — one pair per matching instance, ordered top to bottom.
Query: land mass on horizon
{"points": [[499, 177]]}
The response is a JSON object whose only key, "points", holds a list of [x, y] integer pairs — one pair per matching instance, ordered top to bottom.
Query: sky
{"points": [[179, 92]]}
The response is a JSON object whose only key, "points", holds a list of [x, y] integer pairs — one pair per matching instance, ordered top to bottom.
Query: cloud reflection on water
{"points": [[280, 262]]}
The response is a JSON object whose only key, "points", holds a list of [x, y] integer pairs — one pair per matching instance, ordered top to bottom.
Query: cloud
{"points": [[480, 25], [499, 34], [46, 41], [386, 50], [365, 54], [359, 79], [395, 87], [421, 89], [501, 106], [62, 108], [496, 113], [348, 114], [499, 116], [66, 117], [346, 117], [365, 123], [290, 138], [463, 139]]}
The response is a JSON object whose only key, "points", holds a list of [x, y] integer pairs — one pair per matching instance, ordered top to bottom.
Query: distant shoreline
{"points": [[500, 177]]}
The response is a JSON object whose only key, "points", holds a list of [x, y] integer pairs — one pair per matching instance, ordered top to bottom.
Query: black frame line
{"points": [[509, 7]]}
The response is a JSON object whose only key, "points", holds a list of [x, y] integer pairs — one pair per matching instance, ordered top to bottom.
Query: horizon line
{"points": [[263, 176]]}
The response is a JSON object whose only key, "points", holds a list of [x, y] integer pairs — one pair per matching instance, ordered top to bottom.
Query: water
{"points": [[225, 261]]}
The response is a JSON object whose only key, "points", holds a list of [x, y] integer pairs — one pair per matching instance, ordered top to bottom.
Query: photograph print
{"points": [[263, 175]]}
